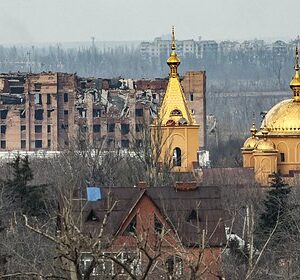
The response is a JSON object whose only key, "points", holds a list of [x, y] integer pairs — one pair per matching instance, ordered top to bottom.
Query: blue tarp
{"points": [[93, 193]]}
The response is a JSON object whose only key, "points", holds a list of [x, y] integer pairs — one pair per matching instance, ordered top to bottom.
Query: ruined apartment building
{"points": [[50, 111]]}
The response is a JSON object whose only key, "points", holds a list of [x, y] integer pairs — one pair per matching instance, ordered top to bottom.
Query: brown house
{"points": [[175, 232]]}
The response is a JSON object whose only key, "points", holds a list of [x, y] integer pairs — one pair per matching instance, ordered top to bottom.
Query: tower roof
{"points": [[295, 83], [174, 109]]}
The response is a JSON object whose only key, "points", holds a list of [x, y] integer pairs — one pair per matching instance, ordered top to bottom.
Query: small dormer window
{"points": [[176, 112], [182, 121], [170, 123], [193, 216], [158, 226], [131, 227]]}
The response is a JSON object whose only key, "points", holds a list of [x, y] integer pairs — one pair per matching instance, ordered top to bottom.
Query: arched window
{"points": [[176, 112], [182, 121], [170, 123], [177, 157]]}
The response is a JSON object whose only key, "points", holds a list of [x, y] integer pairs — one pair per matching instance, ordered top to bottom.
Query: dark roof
{"points": [[175, 205]]}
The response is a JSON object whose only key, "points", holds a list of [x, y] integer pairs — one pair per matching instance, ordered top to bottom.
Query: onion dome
{"points": [[173, 61], [295, 83], [284, 118], [251, 141], [265, 145]]}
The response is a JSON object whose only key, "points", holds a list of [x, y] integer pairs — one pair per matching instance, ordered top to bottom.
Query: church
{"points": [[175, 131], [276, 146]]}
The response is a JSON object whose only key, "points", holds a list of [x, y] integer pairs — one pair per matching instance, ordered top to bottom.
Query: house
{"points": [[166, 232]]}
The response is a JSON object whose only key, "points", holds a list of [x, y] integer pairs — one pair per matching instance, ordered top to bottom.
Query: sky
{"points": [[43, 21]]}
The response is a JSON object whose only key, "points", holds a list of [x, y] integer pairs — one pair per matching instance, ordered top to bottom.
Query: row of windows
{"points": [[39, 101], [37, 144]]}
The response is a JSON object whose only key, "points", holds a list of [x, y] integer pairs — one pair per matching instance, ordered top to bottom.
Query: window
{"points": [[37, 86], [66, 97], [191, 97], [37, 99], [48, 99], [193, 111], [66, 112], [82, 112], [139, 112], [176, 112], [49, 113], [96, 113], [3, 114], [22, 114], [38, 114], [66, 126], [111, 127], [139, 127], [23, 128], [48, 128], [96, 128], [124, 128], [3, 129], [38, 129], [110, 142], [49, 143], [125, 143], [139, 143], [3, 144], [23, 144], [38, 144], [177, 157], [282, 157], [193, 216], [92, 217], [158, 226], [131, 227], [174, 265]]}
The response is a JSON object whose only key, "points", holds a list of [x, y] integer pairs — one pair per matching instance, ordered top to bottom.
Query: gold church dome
{"points": [[284, 117], [251, 141], [265, 145]]}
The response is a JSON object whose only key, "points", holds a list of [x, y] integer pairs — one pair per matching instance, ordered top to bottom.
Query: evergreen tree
{"points": [[29, 197], [276, 206]]}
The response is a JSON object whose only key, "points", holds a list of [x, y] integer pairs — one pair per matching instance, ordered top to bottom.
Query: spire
{"points": [[173, 45], [173, 61], [295, 83]]}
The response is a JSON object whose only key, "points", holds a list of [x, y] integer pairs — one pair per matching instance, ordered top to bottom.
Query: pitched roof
{"points": [[175, 205]]}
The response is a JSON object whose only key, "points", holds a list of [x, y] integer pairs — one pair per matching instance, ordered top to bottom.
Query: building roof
{"points": [[174, 205]]}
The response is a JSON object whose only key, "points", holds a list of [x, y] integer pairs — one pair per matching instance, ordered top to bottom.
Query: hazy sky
{"points": [[118, 20]]}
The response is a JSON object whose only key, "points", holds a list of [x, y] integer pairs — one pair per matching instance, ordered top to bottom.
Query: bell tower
{"points": [[175, 128]]}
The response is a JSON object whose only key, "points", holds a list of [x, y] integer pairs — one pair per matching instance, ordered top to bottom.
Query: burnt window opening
{"points": [[37, 87], [16, 89], [66, 97], [191, 97], [38, 99], [48, 99], [66, 112], [82, 112], [139, 112], [49, 113], [96, 113], [3, 114], [22, 114], [38, 114], [64, 126], [111, 127], [139, 127], [23, 128], [48, 128], [96, 128], [124, 128], [3, 129], [38, 129], [83, 129], [110, 142], [38, 143], [49, 143], [125, 143], [139, 143], [3, 144], [23, 144], [177, 157], [282, 157], [193, 216], [92, 217], [158, 226], [131, 228]]}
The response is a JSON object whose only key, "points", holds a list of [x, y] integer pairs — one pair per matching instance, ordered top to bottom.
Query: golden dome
{"points": [[173, 59], [283, 119], [251, 141], [265, 145]]}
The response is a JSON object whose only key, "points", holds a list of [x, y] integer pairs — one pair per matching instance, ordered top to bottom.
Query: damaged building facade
{"points": [[49, 111]]}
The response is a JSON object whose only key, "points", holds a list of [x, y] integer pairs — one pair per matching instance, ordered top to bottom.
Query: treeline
{"points": [[236, 70]]}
